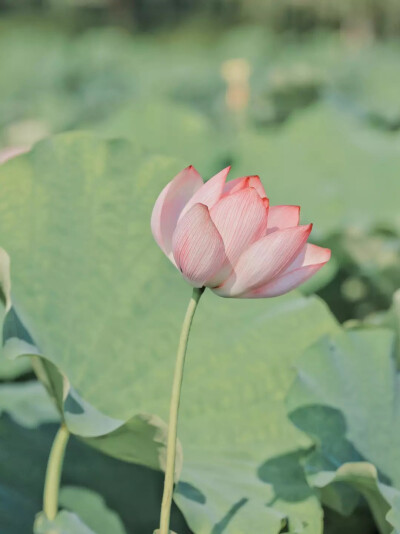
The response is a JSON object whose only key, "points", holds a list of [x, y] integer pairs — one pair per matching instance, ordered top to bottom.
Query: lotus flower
{"points": [[226, 236]]}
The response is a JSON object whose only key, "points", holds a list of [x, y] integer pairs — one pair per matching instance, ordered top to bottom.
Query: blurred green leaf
{"points": [[368, 81], [329, 166]]}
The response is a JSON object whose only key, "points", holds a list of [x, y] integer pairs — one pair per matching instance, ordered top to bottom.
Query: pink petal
{"points": [[240, 183], [209, 193], [170, 204], [280, 217], [241, 219], [198, 247], [265, 259], [313, 259]]}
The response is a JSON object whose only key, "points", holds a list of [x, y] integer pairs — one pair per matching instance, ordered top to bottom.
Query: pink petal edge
{"points": [[170, 204]]}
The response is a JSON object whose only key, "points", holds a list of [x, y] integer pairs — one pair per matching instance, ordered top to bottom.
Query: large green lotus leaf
{"points": [[335, 169], [105, 306], [345, 397], [241, 435], [141, 439], [250, 451]]}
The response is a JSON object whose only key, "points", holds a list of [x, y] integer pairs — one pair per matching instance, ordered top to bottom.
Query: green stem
{"points": [[173, 412], [53, 473]]}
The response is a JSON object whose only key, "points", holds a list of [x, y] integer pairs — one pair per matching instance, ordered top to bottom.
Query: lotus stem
{"points": [[174, 410], [53, 473]]}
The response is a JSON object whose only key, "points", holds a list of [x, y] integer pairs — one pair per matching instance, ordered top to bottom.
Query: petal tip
{"points": [[191, 168], [328, 253]]}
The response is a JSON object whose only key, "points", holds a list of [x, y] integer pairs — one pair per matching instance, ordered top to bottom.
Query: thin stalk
{"points": [[173, 412], [53, 473]]}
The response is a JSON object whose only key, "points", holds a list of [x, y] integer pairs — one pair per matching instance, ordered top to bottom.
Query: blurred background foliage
{"points": [[381, 16], [302, 92]]}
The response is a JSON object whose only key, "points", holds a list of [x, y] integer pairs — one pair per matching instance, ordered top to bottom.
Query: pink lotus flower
{"points": [[227, 237]]}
